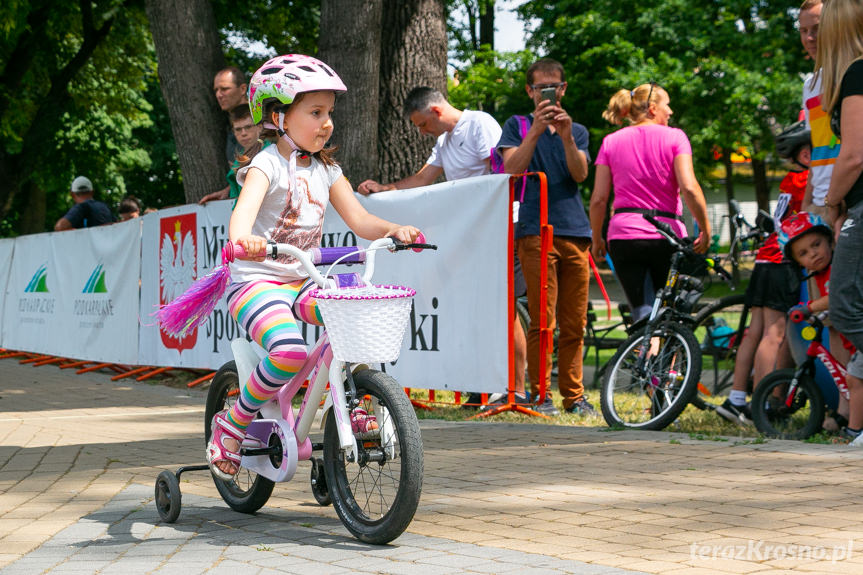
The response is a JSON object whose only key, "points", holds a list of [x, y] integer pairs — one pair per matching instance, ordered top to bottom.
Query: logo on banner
{"points": [[178, 268], [39, 281], [96, 282], [95, 305], [33, 306]]}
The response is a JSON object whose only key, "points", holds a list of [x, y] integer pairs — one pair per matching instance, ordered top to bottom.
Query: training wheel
{"points": [[319, 482], [168, 496]]}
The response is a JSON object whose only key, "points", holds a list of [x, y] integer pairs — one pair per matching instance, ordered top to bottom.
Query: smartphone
{"points": [[549, 94]]}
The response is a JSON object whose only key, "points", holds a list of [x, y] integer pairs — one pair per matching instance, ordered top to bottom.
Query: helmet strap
{"points": [[295, 151]]}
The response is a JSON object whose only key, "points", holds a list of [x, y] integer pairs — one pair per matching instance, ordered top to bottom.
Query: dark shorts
{"points": [[519, 285], [776, 286]]}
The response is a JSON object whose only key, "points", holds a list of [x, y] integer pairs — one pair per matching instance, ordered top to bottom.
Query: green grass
{"points": [[705, 424]]}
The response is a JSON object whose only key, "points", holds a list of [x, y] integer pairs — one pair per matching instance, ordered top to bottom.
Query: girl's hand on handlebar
{"points": [[406, 234], [702, 242], [255, 247], [597, 248]]}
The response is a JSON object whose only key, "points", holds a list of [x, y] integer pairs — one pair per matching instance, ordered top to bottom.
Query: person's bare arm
{"points": [[576, 160], [849, 163], [424, 177], [807, 195], [213, 196], [693, 197], [598, 206], [246, 212], [358, 219], [63, 225]]}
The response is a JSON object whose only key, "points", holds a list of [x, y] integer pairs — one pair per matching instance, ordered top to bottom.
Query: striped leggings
{"points": [[268, 312]]}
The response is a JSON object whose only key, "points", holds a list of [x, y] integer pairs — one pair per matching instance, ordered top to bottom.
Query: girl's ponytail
{"points": [[619, 107]]}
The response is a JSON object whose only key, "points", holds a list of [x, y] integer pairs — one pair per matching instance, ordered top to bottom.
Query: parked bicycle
{"points": [[720, 325], [655, 372], [789, 403], [372, 474]]}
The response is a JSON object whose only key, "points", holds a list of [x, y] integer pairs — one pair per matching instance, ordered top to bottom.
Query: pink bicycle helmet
{"points": [[283, 77]]}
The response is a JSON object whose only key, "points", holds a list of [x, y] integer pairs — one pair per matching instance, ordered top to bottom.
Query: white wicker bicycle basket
{"points": [[366, 324]]}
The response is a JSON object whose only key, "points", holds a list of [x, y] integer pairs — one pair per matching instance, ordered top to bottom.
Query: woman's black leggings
{"points": [[641, 267]]}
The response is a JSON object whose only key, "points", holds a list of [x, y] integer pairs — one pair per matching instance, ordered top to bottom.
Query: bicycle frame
{"points": [[816, 350], [321, 370]]}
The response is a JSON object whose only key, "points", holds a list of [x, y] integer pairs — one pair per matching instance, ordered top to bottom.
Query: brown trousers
{"points": [[568, 282]]}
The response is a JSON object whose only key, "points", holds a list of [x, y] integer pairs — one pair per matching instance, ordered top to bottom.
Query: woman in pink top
{"points": [[650, 165]]}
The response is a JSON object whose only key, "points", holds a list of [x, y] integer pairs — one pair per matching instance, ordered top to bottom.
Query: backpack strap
{"points": [[523, 127]]}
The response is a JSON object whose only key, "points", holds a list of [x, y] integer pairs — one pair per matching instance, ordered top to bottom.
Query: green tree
{"points": [[733, 68], [71, 79]]}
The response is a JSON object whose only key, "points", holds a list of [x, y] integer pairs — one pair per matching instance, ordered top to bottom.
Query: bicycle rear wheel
{"points": [[719, 328], [650, 392], [776, 414], [247, 491], [377, 495]]}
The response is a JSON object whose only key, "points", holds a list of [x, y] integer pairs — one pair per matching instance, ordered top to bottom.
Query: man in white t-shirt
{"points": [[465, 139], [825, 144]]}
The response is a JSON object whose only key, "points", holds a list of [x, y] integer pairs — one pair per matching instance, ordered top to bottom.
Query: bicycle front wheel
{"points": [[719, 328], [651, 378], [777, 412], [247, 491], [377, 495]]}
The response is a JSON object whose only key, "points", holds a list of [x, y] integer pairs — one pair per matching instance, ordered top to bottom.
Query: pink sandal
{"points": [[362, 422], [216, 449]]}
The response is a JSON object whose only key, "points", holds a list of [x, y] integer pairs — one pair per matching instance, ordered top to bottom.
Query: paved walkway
{"points": [[79, 456]]}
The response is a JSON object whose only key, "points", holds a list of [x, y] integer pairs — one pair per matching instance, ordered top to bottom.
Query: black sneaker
{"points": [[496, 399], [473, 401], [546, 407], [582, 407], [739, 414]]}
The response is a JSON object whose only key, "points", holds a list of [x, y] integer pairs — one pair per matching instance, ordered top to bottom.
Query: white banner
{"points": [[180, 245], [7, 248], [75, 294], [458, 331]]}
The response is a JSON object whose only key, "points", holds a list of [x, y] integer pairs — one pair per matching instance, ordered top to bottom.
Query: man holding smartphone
{"points": [[464, 140], [557, 146]]}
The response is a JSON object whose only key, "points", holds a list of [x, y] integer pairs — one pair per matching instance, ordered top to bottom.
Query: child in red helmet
{"points": [[807, 240]]}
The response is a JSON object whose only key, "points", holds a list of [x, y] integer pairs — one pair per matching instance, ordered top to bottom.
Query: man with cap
{"points": [[86, 212]]}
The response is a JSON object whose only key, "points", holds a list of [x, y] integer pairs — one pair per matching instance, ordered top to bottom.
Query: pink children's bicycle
{"points": [[372, 474]]}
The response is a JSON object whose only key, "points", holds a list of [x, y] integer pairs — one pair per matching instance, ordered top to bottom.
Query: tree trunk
{"points": [[486, 23], [413, 53], [189, 55], [356, 59], [762, 187], [33, 214]]}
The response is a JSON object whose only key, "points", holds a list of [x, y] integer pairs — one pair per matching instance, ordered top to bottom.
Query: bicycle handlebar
{"points": [[685, 245], [322, 256], [800, 315]]}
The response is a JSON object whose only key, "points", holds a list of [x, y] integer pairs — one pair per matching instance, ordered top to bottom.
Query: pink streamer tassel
{"points": [[192, 308]]}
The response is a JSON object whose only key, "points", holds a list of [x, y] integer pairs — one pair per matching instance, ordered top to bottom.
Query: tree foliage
{"points": [[733, 68], [73, 87]]}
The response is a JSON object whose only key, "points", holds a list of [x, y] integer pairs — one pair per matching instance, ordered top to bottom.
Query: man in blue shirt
{"points": [[557, 146], [86, 212]]}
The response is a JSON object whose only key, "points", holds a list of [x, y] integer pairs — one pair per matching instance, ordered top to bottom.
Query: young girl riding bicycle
{"points": [[285, 192]]}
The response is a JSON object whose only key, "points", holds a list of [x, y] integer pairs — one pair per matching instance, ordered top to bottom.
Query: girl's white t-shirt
{"points": [[284, 217]]}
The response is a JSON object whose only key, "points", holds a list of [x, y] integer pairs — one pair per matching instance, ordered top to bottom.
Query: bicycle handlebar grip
{"points": [[735, 205], [421, 239], [232, 251], [797, 315]]}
